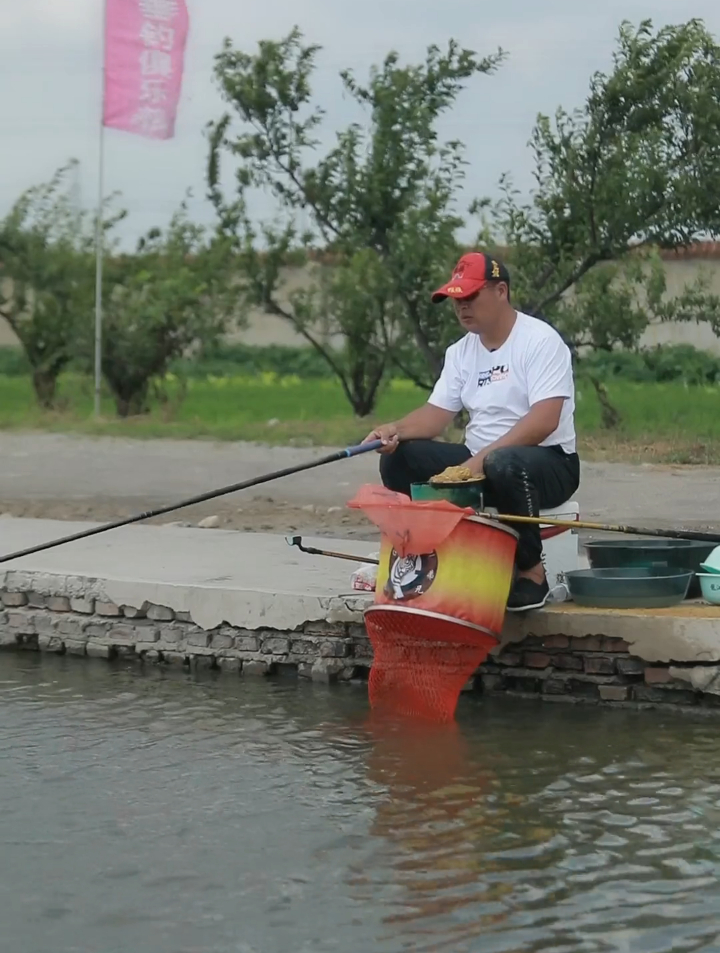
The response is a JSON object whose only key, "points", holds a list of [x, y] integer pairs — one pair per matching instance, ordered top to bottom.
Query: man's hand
{"points": [[388, 433], [476, 464]]}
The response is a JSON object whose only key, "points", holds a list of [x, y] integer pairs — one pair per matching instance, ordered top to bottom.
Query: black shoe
{"points": [[527, 594]]}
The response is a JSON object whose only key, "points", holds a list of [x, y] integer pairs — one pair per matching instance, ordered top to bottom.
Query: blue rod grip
{"points": [[363, 448]]}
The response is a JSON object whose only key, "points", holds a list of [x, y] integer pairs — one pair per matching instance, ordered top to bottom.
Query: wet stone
{"points": [[14, 599], [21, 621], [46, 624], [122, 633], [146, 633], [198, 639], [221, 641], [556, 642], [51, 643], [247, 643], [588, 643], [276, 646], [75, 647], [334, 648], [94, 650], [599, 665], [630, 666], [255, 668], [326, 671], [491, 683], [555, 686], [613, 693]]}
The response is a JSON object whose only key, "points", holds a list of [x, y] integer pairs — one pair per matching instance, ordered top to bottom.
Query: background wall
{"points": [[681, 268]]}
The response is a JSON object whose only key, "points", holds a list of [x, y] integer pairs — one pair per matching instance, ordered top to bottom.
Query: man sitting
{"points": [[513, 374]]}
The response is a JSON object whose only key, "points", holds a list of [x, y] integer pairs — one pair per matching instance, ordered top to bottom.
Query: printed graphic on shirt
{"points": [[500, 372]]}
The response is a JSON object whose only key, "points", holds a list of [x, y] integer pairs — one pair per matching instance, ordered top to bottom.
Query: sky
{"points": [[51, 70]]}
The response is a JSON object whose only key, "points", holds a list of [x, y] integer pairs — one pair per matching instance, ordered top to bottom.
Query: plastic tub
{"points": [[682, 555], [710, 587], [628, 588]]}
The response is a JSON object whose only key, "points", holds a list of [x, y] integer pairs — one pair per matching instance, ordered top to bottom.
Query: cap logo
{"points": [[495, 269], [455, 290]]}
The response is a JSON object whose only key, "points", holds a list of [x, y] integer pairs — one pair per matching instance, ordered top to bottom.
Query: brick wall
{"points": [[158, 635], [596, 669]]}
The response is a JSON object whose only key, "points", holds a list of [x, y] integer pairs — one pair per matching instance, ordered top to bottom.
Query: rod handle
{"points": [[363, 448]]}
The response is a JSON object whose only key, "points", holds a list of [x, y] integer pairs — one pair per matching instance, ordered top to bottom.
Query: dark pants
{"points": [[518, 480]]}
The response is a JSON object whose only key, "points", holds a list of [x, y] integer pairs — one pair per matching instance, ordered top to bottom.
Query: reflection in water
{"points": [[165, 814], [434, 820]]}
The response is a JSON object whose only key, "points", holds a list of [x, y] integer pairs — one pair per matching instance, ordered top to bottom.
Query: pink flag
{"points": [[144, 58]]}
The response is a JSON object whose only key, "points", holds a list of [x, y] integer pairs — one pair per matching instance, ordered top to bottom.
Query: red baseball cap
{"points": [[471, 273]]}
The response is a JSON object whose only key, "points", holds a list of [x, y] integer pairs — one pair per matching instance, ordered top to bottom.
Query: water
{"points": [[164, 813]]}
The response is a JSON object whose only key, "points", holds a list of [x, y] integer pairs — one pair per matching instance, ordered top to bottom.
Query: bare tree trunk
{"points": [[45, 386], [609, 415]]}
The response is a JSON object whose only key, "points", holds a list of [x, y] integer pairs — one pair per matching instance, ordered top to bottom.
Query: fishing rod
{"points": [[202, 498], [605, 527], [297, 541]]}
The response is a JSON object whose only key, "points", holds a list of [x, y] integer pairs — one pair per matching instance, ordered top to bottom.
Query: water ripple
{"points": [[166, 813]]}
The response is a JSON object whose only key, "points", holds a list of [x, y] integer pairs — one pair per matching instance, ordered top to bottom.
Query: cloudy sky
{"points": [[51, 60]]}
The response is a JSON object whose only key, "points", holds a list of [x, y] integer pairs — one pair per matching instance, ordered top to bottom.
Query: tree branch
{"points": [[325, 224], [571, 280], [274, 308], [420, 336], [410, 375]]}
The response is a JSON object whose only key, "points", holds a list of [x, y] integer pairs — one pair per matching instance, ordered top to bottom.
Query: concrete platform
{"points": [[217, 576], [257, 581], [251, 603]]}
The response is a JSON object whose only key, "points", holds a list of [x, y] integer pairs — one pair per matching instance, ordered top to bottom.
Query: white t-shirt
{"points": [[499, 387]]}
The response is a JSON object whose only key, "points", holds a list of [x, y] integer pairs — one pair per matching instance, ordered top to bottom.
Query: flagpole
{"points": [[99, 227]]}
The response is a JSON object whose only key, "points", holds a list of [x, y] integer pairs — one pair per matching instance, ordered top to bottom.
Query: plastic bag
{"points": [[364, 578]]}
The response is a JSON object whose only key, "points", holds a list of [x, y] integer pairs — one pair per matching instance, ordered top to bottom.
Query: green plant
{"points": [[635, 169], [380, 202], [46, 283], [175, 293], [220, 358], [681, 363]]}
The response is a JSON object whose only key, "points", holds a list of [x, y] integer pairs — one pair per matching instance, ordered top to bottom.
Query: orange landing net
{"points": [[442, 587]]}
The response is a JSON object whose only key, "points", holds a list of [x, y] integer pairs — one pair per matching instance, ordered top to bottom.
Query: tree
{"points": [[638, 167], [380, 202], [46, 278], [174, 293], [355, 299]]}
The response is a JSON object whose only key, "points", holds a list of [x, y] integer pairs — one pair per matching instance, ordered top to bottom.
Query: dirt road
{"points": [[66, 477]]}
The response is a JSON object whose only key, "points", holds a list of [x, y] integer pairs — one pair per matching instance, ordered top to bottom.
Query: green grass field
{"points": [[661, 422]]}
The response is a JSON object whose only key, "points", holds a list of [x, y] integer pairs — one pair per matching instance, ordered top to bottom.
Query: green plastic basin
{"points": [[461, 495], [682, 555], [628, 588]]}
